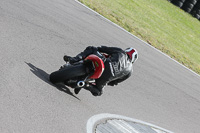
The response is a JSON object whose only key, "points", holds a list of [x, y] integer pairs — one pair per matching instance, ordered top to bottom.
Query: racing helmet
{"points": [[132, 54]]}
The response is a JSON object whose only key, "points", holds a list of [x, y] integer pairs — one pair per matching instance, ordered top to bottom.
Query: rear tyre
{"points": [[67, 73]]}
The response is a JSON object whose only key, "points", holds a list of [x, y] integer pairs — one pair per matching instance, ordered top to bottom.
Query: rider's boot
{"points": [[77, 90], [93, 90]]}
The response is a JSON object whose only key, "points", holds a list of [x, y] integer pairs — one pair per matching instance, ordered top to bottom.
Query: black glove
{"points": [[66, 58], [72, 60]]}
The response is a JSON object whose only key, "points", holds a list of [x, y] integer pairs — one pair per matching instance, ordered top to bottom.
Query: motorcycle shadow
{"points": [[45, 77]]}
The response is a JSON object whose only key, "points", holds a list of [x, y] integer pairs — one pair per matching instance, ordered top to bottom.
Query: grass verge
{"points": [[157, 22]]}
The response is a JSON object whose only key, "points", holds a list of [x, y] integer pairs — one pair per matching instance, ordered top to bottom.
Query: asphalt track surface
{"points": [[34, 36]]}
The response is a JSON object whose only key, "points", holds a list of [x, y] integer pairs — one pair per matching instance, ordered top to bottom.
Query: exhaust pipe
{"points": [[81, 84]]}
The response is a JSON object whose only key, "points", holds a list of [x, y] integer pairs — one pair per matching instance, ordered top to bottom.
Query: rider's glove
{"points": [[72, 60]]}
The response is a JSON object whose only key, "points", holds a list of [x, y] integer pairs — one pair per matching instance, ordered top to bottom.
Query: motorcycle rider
{"points": [[118, 66]]}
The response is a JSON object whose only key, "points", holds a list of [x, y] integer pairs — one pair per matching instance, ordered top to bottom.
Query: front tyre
{"points": [[67, 73]]}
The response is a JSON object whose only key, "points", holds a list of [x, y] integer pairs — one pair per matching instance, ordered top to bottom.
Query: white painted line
{"points": [[137, 37], [120, 122]]}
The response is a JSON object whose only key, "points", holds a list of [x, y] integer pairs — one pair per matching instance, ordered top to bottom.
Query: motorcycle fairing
{"points": [[98, 66]]}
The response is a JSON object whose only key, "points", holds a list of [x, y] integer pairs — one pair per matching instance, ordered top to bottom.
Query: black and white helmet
{"points": [[132, 54]]}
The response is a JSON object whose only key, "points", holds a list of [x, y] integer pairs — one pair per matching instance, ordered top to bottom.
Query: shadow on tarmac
{"points": [[45, 77]]}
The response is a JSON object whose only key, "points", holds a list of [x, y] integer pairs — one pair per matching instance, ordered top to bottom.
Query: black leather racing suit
{"points": [[117, 67]]}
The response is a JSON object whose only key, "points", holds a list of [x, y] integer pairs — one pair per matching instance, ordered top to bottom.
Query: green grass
{"points": [[157, 22]]}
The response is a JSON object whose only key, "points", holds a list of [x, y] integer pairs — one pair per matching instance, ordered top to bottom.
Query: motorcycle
{"points": [[80, 74]]}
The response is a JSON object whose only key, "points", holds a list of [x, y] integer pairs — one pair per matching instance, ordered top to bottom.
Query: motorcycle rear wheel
{"points": [[68, 72]]}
